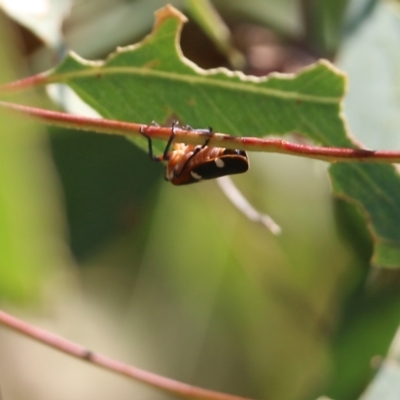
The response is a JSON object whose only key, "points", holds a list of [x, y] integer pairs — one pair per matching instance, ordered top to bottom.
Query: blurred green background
{"points": [[95, 246]]}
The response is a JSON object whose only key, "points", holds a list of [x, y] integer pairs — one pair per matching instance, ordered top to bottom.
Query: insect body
{"points": [[193, 163]]}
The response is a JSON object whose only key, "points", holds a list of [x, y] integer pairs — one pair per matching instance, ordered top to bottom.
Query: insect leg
{"points": [[170, 140], [150, 146], [165, 155]]}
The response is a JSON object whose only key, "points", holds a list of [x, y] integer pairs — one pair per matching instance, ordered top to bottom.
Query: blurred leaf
{"points": [[357, 14], [280, 15], [43, 17], [208, 18], [323, 23], [95, 27], [151, 81], [373, 103], [376, 122], [106, 187], [375, 187], [31, 224], [369, 319], [252, 327], [367, 330], [386, 384]]}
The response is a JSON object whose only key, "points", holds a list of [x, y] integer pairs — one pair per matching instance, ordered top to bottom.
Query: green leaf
{"points": [[153, 81], [375, 189]]}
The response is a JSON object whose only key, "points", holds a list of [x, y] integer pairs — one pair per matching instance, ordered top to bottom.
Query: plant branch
{"points": [[25, 83], [107, 126], [235, 196], [78, 351]]}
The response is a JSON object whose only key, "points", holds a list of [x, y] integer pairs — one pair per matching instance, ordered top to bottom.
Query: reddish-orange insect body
{"points": [[190, 163]]}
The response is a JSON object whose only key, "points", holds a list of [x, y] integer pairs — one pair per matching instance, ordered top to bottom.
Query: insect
{"points": [[188, 163]]}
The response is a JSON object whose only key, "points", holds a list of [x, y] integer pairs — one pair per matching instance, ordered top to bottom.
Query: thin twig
{"points": [[26, 83], [108, 126], [235, 196], [78, 351]]}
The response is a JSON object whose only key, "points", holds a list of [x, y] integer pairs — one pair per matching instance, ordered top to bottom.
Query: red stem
{"points": [[31, 81], [107, 126], [75, 350]]}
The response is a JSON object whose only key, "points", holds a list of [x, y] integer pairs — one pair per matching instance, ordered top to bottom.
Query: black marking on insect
{"points": [[187, 163]]}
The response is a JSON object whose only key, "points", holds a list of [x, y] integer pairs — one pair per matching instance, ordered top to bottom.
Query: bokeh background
{"points": [[95, 246]]}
